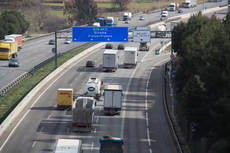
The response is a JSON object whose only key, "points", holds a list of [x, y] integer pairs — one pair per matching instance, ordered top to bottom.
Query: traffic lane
{"points": [[153, 17], [158, 124], [43, 125], [138, 140]]}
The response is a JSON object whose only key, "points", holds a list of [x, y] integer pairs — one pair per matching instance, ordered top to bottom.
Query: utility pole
{"points": [[159, 5], [228, 5], [55, 58]]}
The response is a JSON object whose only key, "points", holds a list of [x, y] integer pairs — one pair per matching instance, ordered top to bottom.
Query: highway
{"points": [[38, 50], [141, 123], [43, 124]]}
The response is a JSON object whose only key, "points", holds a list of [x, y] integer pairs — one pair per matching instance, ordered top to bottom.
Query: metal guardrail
{"points": [[4, 90]]}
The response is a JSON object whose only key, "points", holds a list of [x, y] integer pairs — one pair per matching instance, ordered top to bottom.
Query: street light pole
{"points": [[159, 5], [55, 58]]}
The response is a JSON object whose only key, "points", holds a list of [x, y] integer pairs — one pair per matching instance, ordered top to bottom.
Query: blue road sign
{"points": [[100, 34]]}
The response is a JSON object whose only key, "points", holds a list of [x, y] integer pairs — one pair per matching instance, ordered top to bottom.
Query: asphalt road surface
{"points": [[38, 50], [141, 123]]}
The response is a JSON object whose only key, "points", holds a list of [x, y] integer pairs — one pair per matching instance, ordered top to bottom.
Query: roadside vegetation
{"points": [[203, 82], [16, 94]]}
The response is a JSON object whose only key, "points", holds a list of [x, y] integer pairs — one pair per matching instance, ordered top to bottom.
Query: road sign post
{"points": [[100, 34], [141, 34]]}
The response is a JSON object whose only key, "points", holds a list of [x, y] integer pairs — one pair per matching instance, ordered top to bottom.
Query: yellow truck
{"points": [[8, 49], [64, 98]]}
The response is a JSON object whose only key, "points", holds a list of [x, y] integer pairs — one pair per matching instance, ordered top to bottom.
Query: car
{"points": [[180, 11], [164, 13], [141, 18], [127, 22], [67, 41], [51, 42], [108, 46], [120, 47], [13, 62], [90, 63]]}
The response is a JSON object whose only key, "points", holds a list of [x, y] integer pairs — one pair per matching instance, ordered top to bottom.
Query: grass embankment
{"points": [[16, 94]]}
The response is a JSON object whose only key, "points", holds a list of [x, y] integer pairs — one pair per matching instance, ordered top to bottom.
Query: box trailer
{"points": [[14, 37], [8, 49], [130, 56], [110, 60], [64, 98], [112, 99], [83, 114], [68, 146]]}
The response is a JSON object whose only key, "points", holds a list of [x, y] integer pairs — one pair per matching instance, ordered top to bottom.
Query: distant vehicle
{"points": [[189, 3], [172, 7], [180, 11], [164, 14], [127, 16], [141, 18], [101, 20], [110, 21], [127, 22], [96, 24], [161, 31], [14, 37], [67, 41], [51, 42], [108, 46], [143, 46], [120, 47], [8, 49], [130, 57], [110, 60], [13, 62], [90, 63], [64, 98], [112, 99], [83, 114], [109, 144], [68, 146]]}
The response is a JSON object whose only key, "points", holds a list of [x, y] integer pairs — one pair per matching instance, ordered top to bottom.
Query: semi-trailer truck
{"points": [[8, 49]]}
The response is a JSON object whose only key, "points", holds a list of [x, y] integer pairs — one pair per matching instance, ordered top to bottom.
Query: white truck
{"points": [[189, 3], [172, 7], [127, 16], [110, 21], [161, 31], [14, 38], [130, 56], [110, 60], [93, 88], [112, 99], [83, 114], [68, 146]]}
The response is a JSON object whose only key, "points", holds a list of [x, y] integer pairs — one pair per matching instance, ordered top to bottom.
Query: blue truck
{"points": [[109, 21]]}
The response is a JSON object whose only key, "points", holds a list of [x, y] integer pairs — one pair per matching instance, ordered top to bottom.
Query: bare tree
{"points": [[122, 4], [80, 11]]}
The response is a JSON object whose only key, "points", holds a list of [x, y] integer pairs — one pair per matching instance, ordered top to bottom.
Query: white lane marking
{"points": [[27, 112], [34, 143], [91, 149]]}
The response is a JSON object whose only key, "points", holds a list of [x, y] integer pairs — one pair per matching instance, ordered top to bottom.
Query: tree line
{"points": [[12, 22], [203, 78]]}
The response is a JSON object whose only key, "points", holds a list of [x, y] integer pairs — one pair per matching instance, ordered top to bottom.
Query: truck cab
{"points": [[144, 46]]}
